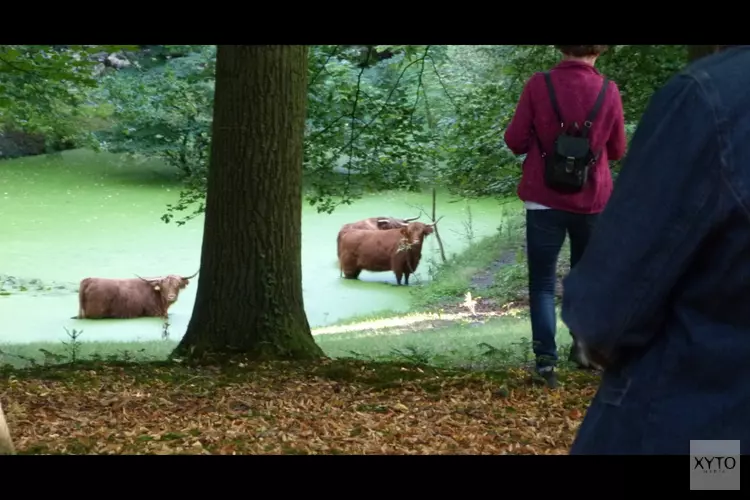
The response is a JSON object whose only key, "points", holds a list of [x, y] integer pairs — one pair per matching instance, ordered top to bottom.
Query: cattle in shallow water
{"points": [[372, 224], [398, 250], [100, 298]]}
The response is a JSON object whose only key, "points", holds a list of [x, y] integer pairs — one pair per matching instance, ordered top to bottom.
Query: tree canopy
{"points": [[379, 117]]}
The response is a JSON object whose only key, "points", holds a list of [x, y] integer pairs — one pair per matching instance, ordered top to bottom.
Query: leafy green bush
{"points": [[46, 91], [164, 112], [424, 114], [365, 129]]}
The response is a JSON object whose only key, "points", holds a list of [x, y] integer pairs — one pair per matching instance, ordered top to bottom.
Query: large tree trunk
{"points": [[249, 296]]}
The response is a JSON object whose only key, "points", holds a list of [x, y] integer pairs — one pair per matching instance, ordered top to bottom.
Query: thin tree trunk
{"points": [[437, 234], [249, 296]]}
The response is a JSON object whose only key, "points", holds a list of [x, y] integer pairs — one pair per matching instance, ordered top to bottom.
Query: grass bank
{"points": [[493, 270], [480, 342]]}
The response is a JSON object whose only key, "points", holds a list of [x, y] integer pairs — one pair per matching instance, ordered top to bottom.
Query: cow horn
{"points": [[413, 218], [382, 221], [434, 223], [404, 224], [191, 277], [148, 281]]}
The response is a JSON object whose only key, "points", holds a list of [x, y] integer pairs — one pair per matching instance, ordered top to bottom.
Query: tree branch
{"points": [[323, 66], [18, 68], [419, 83], [442, 84], [377, 115], [352, 122], [326, 128], [433, 220]]}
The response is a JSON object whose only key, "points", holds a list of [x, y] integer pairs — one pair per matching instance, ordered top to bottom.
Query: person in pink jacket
{"points": [[569, 123]]}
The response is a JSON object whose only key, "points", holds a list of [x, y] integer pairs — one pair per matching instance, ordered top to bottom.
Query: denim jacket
{"points": [[663, 288]]}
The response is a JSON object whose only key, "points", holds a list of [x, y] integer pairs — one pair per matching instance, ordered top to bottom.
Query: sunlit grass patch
{"points": [[476, 342], [491, 342], [41, 353]]}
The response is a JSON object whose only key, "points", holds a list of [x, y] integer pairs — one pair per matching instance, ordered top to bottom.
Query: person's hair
{"points": [[582, 50]]}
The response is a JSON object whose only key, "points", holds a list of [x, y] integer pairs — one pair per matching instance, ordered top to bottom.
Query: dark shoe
{"points": [[548, 375]]}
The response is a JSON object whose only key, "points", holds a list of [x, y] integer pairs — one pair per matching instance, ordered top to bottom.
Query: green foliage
{"points": [[151, 56], [639, 70], [46, 90], [165, 112], [379, 117], [364, 129], [477, 161]]}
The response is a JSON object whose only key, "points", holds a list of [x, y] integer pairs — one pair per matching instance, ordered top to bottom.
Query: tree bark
{"points": [[249, 296]]}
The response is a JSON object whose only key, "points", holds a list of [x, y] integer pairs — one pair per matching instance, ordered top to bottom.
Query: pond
{"points": [[68, 216]]}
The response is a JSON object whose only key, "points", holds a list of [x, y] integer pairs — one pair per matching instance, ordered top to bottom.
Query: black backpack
{"points": [[567, 169]]}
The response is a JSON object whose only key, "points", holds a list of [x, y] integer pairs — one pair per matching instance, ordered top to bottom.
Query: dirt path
{"points": [[409, 323]]}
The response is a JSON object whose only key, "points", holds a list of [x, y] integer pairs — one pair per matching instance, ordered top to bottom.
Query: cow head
{"points": [[391, 223], [415, 232], [169, 286]]}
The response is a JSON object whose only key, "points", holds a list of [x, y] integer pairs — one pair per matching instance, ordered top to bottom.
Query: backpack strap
{"points": [[553, 98], [555, 108], [595, 110], [589, 119], [538, 142]]}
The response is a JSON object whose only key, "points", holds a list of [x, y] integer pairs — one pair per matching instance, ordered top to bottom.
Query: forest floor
{"points": [[454, 377], [331, 407]]}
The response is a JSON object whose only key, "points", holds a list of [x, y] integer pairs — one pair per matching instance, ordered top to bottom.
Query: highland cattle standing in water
{"points": [[372, 224], [397, 250], [100, 298]]}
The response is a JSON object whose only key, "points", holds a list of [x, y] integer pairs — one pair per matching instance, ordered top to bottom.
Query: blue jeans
{"points": [[545, 235]]}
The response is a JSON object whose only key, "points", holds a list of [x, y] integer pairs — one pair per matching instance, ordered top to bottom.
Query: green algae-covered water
{"points": [[79, 214]]}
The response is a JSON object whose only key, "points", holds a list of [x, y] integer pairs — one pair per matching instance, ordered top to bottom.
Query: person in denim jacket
{"points": [[550, 214], [661, 298]]}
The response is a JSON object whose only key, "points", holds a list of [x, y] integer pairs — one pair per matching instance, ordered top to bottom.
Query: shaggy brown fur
{"points": [[374, 223], [397, 250], [100, 298]]}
